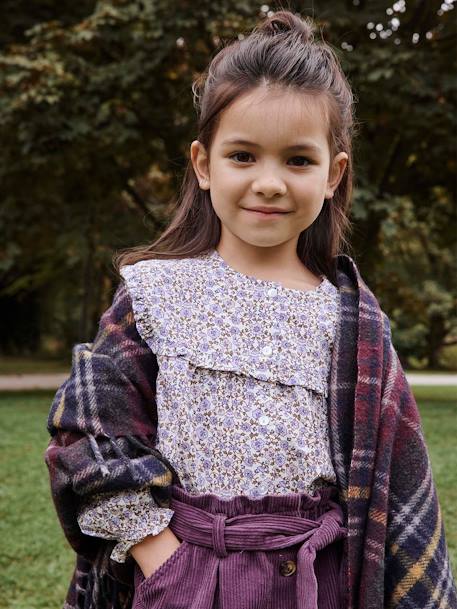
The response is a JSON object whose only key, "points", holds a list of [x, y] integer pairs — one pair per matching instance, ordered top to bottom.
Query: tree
{"points": [[96, 119]]}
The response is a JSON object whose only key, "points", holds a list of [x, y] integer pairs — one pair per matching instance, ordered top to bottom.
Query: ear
{"points": [[200, 163], [336, 172]]}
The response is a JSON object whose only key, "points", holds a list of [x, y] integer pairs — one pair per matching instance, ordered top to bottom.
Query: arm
{"points": [[103, 423], [134, 520], [154, 550]]}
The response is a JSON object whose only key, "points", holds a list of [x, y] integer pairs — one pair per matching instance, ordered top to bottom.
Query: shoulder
{"points": [[142, 267], [157, 272], [349, 276], [162, 291], [358, 296], [120, 307], [117, 323]]}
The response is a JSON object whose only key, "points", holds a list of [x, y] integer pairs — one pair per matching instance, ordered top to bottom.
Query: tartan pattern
{"points": [[103, 423], [396, 549]]}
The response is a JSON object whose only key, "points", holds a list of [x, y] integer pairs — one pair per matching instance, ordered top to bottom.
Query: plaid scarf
{"points": [[103, 423]]}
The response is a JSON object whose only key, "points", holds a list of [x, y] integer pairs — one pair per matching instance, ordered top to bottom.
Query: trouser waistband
{"points": [[315, 522]]}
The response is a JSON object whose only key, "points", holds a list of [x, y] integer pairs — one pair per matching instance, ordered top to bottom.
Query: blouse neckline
{"points": [[217, 258]]}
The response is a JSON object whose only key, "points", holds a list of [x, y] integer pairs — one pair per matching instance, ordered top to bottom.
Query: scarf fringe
{"points": [[98, 455], [101, 462]]}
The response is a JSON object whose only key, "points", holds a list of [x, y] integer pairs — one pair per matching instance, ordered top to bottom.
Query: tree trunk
{"points": [[88, 274], [436, 337]]}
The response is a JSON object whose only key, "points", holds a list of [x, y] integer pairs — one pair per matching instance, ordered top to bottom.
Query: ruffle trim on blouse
{"points": [[190, 308], [223, 361], [125, 516], [121, 550]]}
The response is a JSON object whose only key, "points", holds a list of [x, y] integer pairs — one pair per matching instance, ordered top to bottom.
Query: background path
{"points": [[419, 378], [19, 382]]}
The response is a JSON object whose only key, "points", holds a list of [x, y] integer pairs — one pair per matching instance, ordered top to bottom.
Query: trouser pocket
{"points": [[150, 591]]}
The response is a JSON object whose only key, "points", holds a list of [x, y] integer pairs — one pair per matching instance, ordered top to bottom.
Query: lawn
{"points": [[25, 365], [35, 560]]}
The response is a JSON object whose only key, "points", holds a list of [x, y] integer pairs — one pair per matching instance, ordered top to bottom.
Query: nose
{"points": [[269, 186]]}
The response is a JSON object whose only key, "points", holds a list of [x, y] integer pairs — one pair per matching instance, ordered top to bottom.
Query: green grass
{"points": [[23, 365], [429, 371], [438, 393], [439, 422], [36, 562]]}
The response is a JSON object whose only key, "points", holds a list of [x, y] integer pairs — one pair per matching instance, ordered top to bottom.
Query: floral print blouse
{"points": [[241, 389]]}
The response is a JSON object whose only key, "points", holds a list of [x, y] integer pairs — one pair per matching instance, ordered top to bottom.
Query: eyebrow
{"points": [[300, 146]]}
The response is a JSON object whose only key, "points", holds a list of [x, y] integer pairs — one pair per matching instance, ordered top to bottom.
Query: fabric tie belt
{"points": [[265, 531]]}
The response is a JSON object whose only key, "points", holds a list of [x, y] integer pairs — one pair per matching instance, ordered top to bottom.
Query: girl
{"points": [[240, 434]]}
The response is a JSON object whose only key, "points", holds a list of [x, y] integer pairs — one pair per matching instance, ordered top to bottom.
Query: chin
{"points": [[265, 243]]}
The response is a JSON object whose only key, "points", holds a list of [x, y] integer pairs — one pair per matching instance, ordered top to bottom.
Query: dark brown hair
{"points": [[280, 51]]}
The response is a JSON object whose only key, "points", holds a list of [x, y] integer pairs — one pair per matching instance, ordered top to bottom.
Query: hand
{"points": [[154, 550]]}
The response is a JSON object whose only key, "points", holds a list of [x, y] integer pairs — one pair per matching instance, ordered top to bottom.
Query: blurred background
{"points": [[96, 120]]}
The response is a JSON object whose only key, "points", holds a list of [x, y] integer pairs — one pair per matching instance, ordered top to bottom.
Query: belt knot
{"points": [[218, 535]]}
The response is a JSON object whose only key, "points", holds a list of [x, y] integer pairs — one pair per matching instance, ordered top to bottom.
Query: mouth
{"points": [[269, 214]]}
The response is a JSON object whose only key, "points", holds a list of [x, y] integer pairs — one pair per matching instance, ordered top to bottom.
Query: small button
{"points": [[272, 292], [267, 350], [263, 375], [264, 419], [262, 490], [287, 568]]}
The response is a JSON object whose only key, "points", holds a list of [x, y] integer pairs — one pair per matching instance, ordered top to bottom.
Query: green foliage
{"points": [[96, 119], [417, 275], [448, 358]]}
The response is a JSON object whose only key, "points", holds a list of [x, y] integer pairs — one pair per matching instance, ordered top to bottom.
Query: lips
{"points": [[267, 210], [262, 216]]}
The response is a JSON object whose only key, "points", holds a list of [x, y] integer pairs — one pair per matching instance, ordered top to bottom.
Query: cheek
{"points": [[229, 184], [311, 185], [227, 193], [311, 198], [225, 206]]}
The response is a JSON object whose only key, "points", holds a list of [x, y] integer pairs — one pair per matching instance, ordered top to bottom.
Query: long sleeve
{"points": [[103, 423], [126, 516]]}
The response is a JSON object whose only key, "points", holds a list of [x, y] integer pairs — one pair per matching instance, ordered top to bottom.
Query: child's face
{"points": [[243, 176]]}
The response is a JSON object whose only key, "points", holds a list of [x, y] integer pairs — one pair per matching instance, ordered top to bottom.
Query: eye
{"points": [[232, 156], [245, 158], [303, 158]]}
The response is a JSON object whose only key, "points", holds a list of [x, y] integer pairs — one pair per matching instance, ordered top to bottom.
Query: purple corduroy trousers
{"points": [[274, 552]]}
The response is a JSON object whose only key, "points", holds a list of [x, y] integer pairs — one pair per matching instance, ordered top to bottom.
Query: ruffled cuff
{"points": [[125, 516], [157, 524]]}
